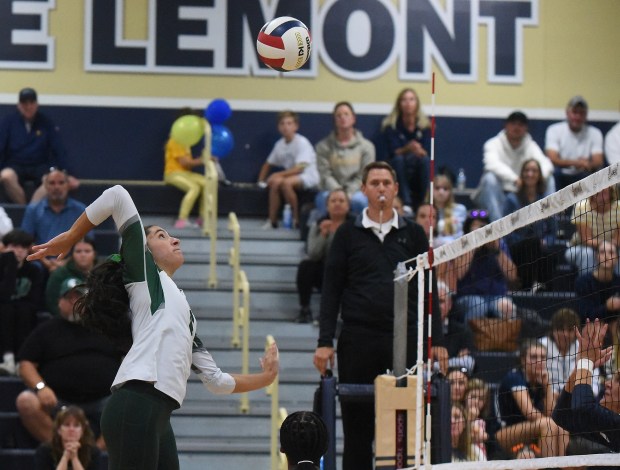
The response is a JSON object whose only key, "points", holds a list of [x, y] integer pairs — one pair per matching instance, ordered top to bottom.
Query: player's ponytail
{"points": [[105, 306]]}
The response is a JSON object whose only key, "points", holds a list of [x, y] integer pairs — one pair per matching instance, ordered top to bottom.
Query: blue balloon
{"points": [[218, 111], [222, 141]]}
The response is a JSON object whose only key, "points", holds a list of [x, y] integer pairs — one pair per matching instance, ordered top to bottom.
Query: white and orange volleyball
{"points": [[284, 44]]}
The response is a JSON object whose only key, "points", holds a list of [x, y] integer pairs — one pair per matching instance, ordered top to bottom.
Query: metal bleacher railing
{"points": [[209, 206], [241, 310], [278, 415]]}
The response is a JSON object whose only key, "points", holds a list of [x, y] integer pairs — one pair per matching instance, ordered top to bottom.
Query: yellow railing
{"points": [[209, 206], [234, 260], [241, 309], [244, 314], [278, 415]]}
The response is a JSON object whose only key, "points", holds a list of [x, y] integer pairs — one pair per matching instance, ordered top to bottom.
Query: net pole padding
{"points": [[541, 209], [401, 287], [586, 460]]}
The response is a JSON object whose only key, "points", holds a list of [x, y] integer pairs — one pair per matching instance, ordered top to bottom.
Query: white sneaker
{"points": [[408, 211], [269, 226], [9, 364]]}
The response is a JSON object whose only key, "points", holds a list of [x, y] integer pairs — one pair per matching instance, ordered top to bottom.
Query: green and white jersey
{"points": [[165, 345]]}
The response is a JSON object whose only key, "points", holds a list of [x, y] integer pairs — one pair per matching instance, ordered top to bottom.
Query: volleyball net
{"points": [[512, 292]]}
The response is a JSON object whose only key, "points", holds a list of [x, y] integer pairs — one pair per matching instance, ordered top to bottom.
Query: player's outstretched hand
{"points": [[59, 246], [270, 362]]}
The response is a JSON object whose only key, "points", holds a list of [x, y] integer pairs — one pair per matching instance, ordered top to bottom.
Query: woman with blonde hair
{"points": [[407, 136], [450, 214]]}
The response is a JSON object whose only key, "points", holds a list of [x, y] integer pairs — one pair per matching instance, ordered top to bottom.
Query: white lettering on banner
{"points": [[356, 40], [25, 42]]}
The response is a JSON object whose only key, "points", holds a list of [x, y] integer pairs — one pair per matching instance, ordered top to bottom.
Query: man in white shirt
{"points": [[612, 145], [574, 147], [504, 155]]}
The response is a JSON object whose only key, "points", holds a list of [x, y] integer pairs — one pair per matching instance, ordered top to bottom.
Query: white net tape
{"points": [[539, 210], [609, 460]]}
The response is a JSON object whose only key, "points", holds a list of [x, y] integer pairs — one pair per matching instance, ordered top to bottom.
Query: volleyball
{"points": [[284, 44]]}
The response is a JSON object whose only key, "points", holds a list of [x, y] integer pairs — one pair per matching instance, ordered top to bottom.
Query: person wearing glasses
{"points": [[30, 143], [504, 155], [52, 215]]}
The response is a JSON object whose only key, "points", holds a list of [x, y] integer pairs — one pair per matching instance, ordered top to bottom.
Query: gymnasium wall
{"points": [[114, 79]]}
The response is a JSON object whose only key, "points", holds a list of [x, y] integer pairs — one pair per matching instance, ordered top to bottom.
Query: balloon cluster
{"points": [[188, 130], [222, 141]]}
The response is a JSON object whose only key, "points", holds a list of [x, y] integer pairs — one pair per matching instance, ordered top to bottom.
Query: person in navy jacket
{"points": [[577, 410]]}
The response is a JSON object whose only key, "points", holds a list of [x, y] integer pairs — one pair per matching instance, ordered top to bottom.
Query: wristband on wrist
{"points": [[586, 364]]}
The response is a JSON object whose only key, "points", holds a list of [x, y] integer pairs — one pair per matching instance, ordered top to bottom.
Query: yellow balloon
{"points": [[188, 130]]}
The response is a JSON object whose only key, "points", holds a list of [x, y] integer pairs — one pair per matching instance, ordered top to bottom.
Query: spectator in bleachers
{"points": [[406, 131], [30, 144], [612, 145], [574, 147], [296, 158], [341, 158], [503, 158], [179, 166], [450, 214], [52, 215], [423, 217], [596, 218], [6, 224], [320, 236], [531, 247], [83, 259], [484, 275], [599, 291], [21, 295], [459, 340], [561, 346], [56, 363], [458, 377], [526, 398], [479, 403], [578, 410], [458, 423], [304, 440], [72, 445]]}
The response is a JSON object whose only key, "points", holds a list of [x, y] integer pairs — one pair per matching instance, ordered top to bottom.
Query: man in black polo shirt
{"points": [[358, 283], [63, 363]]}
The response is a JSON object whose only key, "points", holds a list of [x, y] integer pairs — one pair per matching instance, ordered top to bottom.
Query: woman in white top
{"points": [[136, 291]]}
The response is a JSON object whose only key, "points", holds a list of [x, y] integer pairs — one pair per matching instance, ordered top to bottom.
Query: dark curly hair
{"points": [[105, 306], [303, 438]]}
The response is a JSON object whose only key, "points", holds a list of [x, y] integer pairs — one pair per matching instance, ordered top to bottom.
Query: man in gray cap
{"points": [[30, 145], [574, 146]]}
